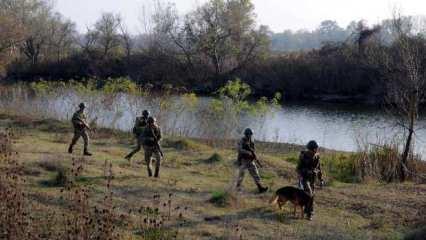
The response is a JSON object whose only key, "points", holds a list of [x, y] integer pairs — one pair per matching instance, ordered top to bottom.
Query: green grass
{"points": [[215, 158], [201, 177], [222, 198]]}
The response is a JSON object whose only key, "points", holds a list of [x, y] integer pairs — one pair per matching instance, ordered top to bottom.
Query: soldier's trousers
{"points": [[77, 135], [137, 149], [149, 153], [252, 168], [308, 183]]}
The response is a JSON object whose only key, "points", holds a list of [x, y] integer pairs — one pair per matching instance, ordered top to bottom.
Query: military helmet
{"points": [[81, 105], [145, 113], [151, 120], [248, 132], [312, 145]]}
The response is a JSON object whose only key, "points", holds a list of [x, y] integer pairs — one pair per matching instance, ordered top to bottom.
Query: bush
{"points": [[120, 85], [184, 144], [215, 158], [381, 162], [50, 165], [340, 167], [60, 179], [223, 198]]}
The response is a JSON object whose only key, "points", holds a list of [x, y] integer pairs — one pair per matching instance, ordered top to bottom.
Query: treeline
{"points": [[329, 31], [200, 51]]}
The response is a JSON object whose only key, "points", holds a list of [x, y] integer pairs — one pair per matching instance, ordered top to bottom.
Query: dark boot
{"points": [[70, 149], [87, 153], [128, 157], [149, 172], [157, 172], [238, 188], [261, 188], [309, 209]]}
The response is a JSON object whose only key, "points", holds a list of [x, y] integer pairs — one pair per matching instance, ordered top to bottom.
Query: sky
{"points": [[277, 14]]}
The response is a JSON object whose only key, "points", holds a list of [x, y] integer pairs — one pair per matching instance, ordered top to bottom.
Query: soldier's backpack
{"points": [[140, 124], [308, 162]]}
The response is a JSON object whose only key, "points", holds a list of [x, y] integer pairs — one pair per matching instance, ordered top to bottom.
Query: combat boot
{"points": [[87, 153], [149, 172], [157, 172], [261, 188]]}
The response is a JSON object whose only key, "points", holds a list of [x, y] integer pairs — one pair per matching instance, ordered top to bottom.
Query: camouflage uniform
{"points": [[140, 124], [80, 130], [150, 134], [246, 162], [309, 168]]}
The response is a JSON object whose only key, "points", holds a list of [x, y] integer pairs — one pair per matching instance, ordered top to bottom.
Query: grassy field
{"points": [[196, 197]]}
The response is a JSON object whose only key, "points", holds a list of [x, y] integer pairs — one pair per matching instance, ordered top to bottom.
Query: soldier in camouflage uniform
{"points": [[140, 124], [80, 129], [151, 137], [246, 161], [308, 168]]}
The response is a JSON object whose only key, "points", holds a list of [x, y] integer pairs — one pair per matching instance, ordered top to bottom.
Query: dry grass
{"points": [[107, 197]]}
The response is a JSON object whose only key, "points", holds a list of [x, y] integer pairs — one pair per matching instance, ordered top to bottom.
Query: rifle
{"points": [[84, 123], [157, 144], [255, 157]]}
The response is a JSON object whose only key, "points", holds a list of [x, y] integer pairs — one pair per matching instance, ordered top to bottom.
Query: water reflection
{"points": [[333, 126]]}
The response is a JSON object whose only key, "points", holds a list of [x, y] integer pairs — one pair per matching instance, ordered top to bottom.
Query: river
{"points": [[335, 126]]}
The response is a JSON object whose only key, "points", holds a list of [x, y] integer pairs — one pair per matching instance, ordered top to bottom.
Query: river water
{"points": [[335, 126]]}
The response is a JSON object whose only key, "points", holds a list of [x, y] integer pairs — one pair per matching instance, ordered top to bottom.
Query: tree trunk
{"points": [[412, 118], [404, 159]]}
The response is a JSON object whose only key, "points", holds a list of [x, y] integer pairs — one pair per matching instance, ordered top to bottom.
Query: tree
{"points": [[35, 15], [107, 31], [330, 31], [11, 34], [225, 34], [363, 34], [47, 35], [62, 37], [127, 40], [216, 40], [405, 66]]}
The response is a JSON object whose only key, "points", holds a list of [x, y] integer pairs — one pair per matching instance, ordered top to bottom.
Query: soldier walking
{"points": [[140, 124], [80, 129], [151, 137], [247, 160], [308, 168]]}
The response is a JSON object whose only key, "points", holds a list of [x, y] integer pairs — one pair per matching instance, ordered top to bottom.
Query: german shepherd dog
{"points": [[298, 197]]}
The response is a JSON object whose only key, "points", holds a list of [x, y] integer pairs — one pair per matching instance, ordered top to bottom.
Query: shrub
{"points": [[120, 85], [184, 144], [215, 158], [381, 162], [50, 165], [340, 167], [59, 179], [223, 198], [156, 220], [15, 222]]}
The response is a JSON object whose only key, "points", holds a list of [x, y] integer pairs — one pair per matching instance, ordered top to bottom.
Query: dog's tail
{"points": [[274, 200]]}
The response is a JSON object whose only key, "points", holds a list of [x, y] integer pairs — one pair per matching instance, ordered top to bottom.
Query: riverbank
{"points": [[197, 174]]}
